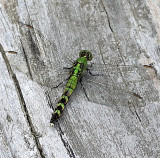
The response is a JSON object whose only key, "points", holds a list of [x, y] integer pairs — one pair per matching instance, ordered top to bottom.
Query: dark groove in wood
{"points": [[109, 23], [22, 102], [138, 116], [65, 142]]}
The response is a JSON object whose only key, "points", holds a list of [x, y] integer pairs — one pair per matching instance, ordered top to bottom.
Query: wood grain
{"points": [[38, 38]]}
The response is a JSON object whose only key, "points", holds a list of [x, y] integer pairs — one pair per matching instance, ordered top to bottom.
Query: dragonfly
{"points": [[76, 71], [113, 89]]}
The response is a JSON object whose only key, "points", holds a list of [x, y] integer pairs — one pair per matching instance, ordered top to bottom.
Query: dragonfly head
{"points": [[86, 53]]}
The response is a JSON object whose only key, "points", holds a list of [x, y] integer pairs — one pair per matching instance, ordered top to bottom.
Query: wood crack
{"points": [[109, 23], [22, 102], [138, 116], [65, 142]]}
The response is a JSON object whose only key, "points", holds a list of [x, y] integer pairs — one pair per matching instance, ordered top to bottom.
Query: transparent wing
{"points": [[136, 72], [53, 75], [54, 78], [120, 85]]}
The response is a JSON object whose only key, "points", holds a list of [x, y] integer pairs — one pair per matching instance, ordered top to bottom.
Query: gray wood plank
{"points": [[44, 34], [17, 139], [5, 150]]}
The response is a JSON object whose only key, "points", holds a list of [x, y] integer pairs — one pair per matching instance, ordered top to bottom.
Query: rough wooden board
{"points": [[154, 7], [117, 32], [15, 131], [5, 150]]}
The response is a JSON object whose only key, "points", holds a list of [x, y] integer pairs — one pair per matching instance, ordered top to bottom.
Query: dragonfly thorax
{"points": [[82, 60]]}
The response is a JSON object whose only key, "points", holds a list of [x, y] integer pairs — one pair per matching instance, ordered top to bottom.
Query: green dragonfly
{"points": [[76, 71]]}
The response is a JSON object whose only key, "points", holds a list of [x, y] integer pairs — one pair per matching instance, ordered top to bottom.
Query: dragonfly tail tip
{"points": [[52, 124]]}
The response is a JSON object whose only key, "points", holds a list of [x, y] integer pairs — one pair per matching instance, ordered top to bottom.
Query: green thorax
{"points": [[82, 63]]}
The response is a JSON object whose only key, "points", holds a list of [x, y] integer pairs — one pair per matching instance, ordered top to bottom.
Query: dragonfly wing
{"points": [[140, 72], [54, 77], [120, 86], [107, 94]]}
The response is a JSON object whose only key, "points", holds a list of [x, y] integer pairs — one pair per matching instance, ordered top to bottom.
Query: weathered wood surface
{"points": [[37, 36]]}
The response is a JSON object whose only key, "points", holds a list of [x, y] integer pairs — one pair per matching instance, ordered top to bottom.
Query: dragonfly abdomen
{"points": [[76, 73]]}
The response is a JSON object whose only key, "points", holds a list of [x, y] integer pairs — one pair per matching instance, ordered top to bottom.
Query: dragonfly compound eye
{"points": [[82, 53], [86, 53], [89, 56]]}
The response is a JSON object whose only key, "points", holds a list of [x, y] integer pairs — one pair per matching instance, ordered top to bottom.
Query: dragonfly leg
{"points": [[67, 68], [84, 89]]}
